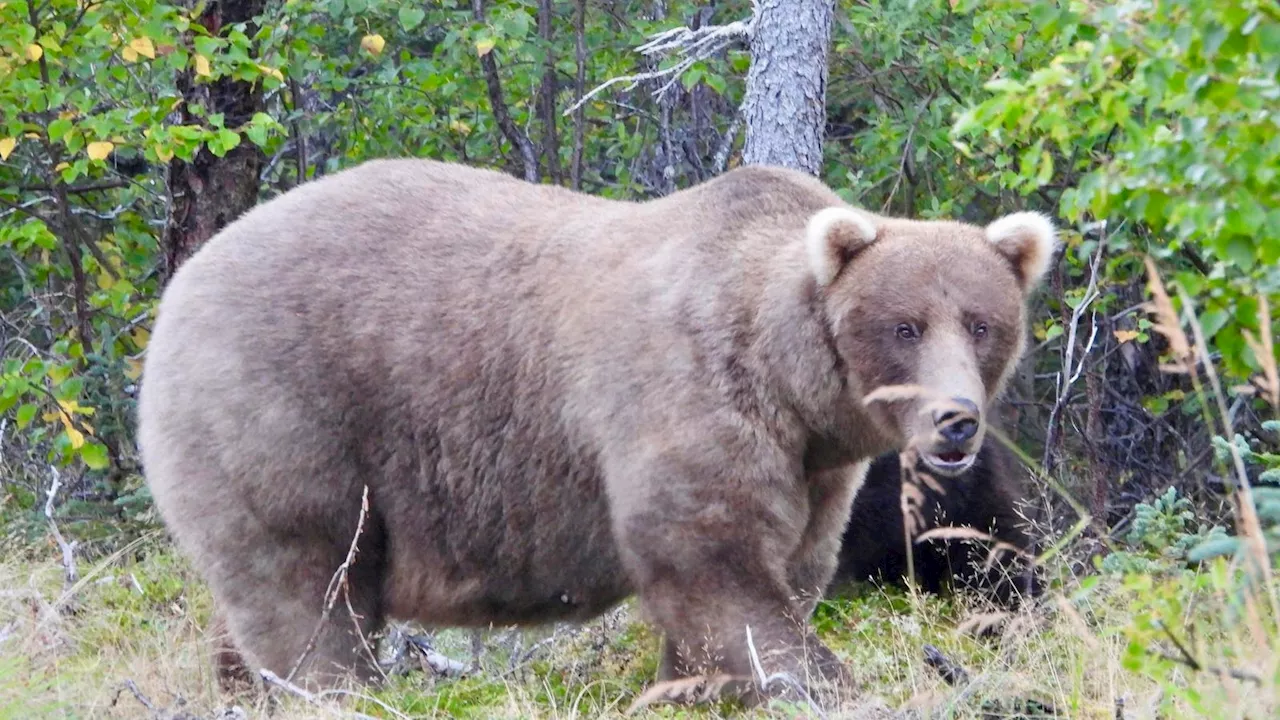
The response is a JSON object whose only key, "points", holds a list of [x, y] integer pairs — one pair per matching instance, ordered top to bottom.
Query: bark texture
{"points": [[785, 104], [209, 192]]}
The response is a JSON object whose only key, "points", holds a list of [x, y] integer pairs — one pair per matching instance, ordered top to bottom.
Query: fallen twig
{"points": [[338, 583], [440, 664], [951, 672], [780, 677], [132, 687], [316, 699]]}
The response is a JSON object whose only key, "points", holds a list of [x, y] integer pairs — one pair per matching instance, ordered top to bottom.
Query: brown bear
{"points": [[556, 401], [984, 497]]}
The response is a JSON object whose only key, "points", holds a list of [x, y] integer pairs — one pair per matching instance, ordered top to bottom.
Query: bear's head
{"points": [[929, 318]]}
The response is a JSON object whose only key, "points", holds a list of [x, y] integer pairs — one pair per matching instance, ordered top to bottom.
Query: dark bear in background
{"points": [[983, 497]]}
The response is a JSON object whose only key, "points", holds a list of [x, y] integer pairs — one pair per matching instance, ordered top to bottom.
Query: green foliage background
{"points": [[1158, 118]]}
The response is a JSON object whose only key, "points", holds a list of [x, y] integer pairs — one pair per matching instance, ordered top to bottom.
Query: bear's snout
{"points": [[957, 421], [956, 434]]}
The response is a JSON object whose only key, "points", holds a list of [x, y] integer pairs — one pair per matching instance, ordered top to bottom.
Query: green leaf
{"points": [[410, 16], [26, 414], [94, 454]]}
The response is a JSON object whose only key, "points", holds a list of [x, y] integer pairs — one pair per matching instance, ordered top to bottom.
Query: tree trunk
{"points": [[785, 104], [209, 192]]}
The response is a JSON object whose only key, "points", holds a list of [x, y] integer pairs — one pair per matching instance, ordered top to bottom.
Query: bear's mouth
{"points": [[951, 462]]}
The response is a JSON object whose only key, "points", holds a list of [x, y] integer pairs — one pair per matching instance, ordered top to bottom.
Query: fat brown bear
{"points": [[557, 401], [984, 497]]}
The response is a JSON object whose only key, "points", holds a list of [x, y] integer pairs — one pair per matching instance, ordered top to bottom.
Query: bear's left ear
{"points": [[832, 237], [1028, 240]]}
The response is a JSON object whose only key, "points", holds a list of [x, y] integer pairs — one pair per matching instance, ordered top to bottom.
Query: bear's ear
{"points": [[833, 236], [1028, 240]]}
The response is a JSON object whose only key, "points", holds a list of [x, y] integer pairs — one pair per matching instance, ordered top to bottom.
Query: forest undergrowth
{"points": [[1175, 618]]}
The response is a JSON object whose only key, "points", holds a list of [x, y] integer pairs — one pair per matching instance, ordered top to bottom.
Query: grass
{"points": [[141, 615], [1146, 636]]}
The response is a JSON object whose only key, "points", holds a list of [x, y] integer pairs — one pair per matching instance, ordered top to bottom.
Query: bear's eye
{"points": [[979, 330], [906, 331]]}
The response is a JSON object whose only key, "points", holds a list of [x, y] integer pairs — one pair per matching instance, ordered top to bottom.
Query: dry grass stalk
{"points": [[1166, 323], [1187, 353], [895, 393], [1250, 526], [965, 533], [979, 624], [697, 689]]}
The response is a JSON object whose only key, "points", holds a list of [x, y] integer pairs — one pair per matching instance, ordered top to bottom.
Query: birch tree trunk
{"points": [[785, 103]]}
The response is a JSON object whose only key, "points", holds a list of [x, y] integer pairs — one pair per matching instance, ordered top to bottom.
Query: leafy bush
{"points": [[1160, 114], [1162, 536]]}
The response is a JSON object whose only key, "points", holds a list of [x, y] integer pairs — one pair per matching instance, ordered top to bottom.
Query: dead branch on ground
{"points": [[951, 672], [318, 699]]}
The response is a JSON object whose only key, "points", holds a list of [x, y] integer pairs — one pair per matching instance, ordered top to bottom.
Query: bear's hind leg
{"points": [[286, 607]]}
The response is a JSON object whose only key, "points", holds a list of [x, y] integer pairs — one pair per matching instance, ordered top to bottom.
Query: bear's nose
{"points": [[958, 421]]}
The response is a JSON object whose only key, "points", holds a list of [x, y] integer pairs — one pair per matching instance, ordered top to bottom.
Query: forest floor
{"points": [[127, 639]]}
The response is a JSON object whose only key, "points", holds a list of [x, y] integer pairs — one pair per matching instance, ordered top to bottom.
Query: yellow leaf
{"points": [[373, 43], [143, 46], [483, 47], [34, 52], [129, 55], [202, 66], [267, 70], [460, 127], [31, 135], [6, 147], [100, 150], [164, 153], [61, 166], [105, 281], [1125, 336], [140, 337], [133, 368], [72, 407], [77, 437]]}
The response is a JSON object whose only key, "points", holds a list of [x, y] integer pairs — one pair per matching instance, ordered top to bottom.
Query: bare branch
{"points": [[691, 46], [1067, 376], [68, 550], [337, 584], [318, 699]]}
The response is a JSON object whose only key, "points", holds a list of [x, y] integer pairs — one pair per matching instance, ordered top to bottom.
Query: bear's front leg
{"points": [[708, 554], [814, 562]]}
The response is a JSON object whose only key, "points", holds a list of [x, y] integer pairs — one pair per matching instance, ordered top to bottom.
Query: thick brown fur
{"points": [[556, 401], [985, 497]]}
